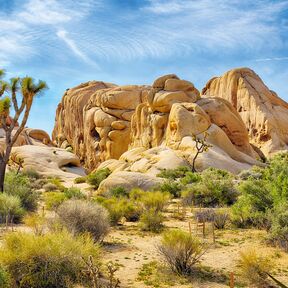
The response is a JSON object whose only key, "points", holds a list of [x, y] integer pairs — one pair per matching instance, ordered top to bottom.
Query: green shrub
{"points": [[32, 174], [173, 174], [95, 178], [190, 178], [80, 180], [57, 182], [19, 185], [49, 187], [172, 187], [118, 192], [74, 193], [136, 193], [210, 194], [54, 199], [154, 200], [10, 208], [119, 208], [80, 216], [221, 218], [152, 220], [36, 222], [278, 234], [181, 251], [46, 261], [254, 268], [5, 281]]}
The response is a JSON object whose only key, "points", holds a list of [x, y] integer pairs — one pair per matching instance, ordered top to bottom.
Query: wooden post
{"points": [[190, 230], [203, 230], [213, 232], [232, 280]]}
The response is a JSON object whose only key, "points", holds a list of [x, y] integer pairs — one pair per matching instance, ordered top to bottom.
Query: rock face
{"points": [[264, 114], [139, 130], [34, 150]]}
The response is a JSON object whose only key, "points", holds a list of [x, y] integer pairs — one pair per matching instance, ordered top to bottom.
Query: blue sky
{"points": [[66, 42]]}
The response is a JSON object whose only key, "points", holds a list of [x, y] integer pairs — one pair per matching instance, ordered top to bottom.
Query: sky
{"points": [[67, 42]]}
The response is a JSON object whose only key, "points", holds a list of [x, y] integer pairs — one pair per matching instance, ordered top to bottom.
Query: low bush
{"points": [[32, 174], [173, 174], [190, 177], [95, 178], [80, 180], [57, 182], [19, 185], [49, 187], [172, 187], [118, 192], [74, 193], [54, 199], [154, 200], [10, 208], [119, 208], [80, 216], [221, 218], [152, 220], [36, 222], [278, 234], [181, 251], [47, 261], [253, 268], [5, 281]]}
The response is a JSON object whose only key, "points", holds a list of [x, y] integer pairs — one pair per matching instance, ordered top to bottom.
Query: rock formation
{"points": [[264, 114], [143, 129], [34, 150]]}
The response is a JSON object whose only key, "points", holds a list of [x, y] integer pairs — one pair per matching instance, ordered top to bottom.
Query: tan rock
{"points": [[159, 83], [264, 114]]}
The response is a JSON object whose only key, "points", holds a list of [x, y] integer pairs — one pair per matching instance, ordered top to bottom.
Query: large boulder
{"points": [[264, 114]]}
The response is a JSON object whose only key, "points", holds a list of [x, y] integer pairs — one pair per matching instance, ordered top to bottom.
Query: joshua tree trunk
{"points": [[2, 174]]}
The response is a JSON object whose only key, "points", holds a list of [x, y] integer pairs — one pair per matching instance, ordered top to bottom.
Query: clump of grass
{"points": [[95, 178], [80, 180], [80, 216], [152, 220], [181, 251], [55, 260]]}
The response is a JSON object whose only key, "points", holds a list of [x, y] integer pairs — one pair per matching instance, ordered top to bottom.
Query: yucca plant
{"points": [[28, 90]]}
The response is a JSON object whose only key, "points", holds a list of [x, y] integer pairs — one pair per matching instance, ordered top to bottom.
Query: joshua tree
{"points": [[27, 89], [201, 146]]}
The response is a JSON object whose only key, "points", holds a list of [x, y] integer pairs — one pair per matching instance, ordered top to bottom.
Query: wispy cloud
{"points": [[167, 28], [63, 35], [272, 59]]}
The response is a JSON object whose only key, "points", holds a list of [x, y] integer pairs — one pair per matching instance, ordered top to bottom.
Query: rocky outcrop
{"points": [[264, 114], [143, 129], [34, 150]]}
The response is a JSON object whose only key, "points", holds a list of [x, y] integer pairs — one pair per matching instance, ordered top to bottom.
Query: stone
{"points": [[264, 114]]}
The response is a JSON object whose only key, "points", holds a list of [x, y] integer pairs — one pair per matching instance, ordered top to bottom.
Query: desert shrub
{"points": [[32, 174], [173, 174], [190, 177], [95, 178], [80, 180], [57, 182], [38, 183], [19, 185], [49, 187], [172, 187], [118, 192], [74, 193], [136, 193], [210, 195], [54, 199], [154, 200], [10, 208], [119, 208], [204, 215], [80, 216], [221, 218], [151, 220], [35, 222], [278, 234], [181, 251], [46, 261], [254, 268], [5, 281]]}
